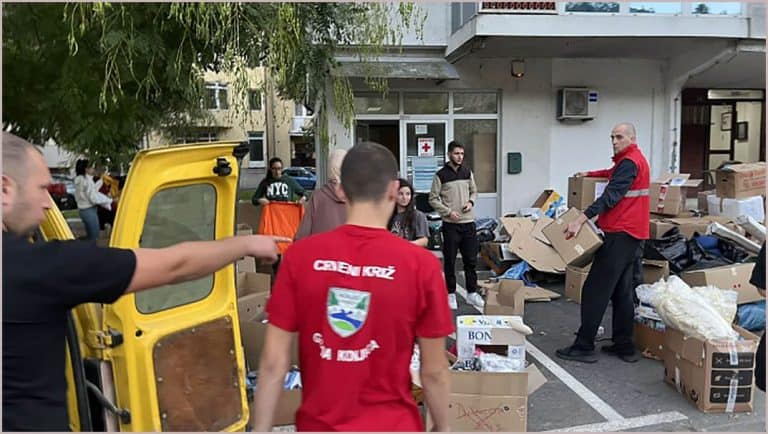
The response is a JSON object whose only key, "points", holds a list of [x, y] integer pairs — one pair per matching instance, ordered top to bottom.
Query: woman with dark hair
{"points": [[276, 187], [88, 198], [406, 221]]}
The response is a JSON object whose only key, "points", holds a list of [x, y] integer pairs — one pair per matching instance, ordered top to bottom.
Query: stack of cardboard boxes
{"points": [[491, 401]]}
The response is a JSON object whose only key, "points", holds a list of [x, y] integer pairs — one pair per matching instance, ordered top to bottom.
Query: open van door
{"points": [[175, 352]]}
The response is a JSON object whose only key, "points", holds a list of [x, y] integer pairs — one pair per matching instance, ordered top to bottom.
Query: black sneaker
{"points": [[577, 354], [631, 356]]}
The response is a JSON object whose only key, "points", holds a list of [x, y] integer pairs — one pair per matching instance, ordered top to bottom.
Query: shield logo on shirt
{"points": [[347, 310]]}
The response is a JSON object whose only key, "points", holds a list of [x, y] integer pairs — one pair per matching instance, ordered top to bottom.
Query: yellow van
{"points": [[170, 358]]}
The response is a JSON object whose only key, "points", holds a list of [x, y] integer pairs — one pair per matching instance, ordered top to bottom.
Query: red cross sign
{"points": [[426, 146]]}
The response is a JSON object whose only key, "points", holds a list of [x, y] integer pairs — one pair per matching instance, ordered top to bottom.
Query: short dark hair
{"points": [[453, 145], [80, 166], [366, 171]]}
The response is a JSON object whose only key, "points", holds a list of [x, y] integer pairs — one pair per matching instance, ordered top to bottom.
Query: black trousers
{"points": [[460, 237], [610, 279], [760, 364]]}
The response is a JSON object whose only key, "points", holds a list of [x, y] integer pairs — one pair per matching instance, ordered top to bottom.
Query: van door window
{"points": [[178, 214]]}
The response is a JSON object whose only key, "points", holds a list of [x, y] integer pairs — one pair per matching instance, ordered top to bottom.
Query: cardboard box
{"points": [[738, 181], [583, 190], [668, 193], [547, 199], [733, 208], [248, 214], [688, 226], [243, 229], [538, 229], [579, 250], [538, 255], [499, 256], [246, 265], [655, 270], [734, 277], [574, 281], [252, 283], [506, 297], [253, 328], [501, 334], [648, 340], [717, 377], [491, 401], [287, 406]]}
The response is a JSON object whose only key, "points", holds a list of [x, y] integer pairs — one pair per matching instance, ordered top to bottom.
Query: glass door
{"points": [[425, 150]]}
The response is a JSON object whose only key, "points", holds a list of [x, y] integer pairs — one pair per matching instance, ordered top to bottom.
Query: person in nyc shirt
{"points": [[276, 187]]}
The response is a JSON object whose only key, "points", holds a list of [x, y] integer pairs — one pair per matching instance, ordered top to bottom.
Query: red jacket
{"points": [[633, 212]]}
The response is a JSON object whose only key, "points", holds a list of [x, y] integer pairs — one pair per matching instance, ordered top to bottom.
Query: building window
{"points": [[600, 7], [716, 8], [216, 96], [255, 101], [373, 103], [432, 103], [475, 103], [300, 110], [199, 137], [480, 139], [256, 148]]}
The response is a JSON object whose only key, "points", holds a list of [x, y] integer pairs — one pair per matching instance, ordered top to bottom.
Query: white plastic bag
{"points": [[687, 310]]}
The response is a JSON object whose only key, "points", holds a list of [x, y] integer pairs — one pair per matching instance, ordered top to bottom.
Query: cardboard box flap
{"points": [[749, 168], [678, 179], [512, 224], [537, 233], [537, 254], [655, 263], [734, 277], [251, 283], [537, 293], [535, 378], [489, 383]]}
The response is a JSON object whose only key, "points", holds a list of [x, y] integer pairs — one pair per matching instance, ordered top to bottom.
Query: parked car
{"points": [[303, 176], [62, 190]]}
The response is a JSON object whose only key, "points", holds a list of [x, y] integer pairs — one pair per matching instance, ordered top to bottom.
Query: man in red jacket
{"points": [[623, 214]]}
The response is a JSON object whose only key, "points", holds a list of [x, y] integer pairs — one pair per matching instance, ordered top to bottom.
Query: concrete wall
{"points": [[436, 27]]}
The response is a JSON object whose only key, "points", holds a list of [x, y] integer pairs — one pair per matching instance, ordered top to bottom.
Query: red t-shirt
{"points": [[358, 298]]}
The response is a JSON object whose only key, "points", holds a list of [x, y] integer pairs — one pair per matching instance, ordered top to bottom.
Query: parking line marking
{"points": [[569, 380], [625, 424]]}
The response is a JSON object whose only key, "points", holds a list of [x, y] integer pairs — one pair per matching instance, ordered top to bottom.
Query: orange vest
{"points": [[633, 212], [281, 219]]}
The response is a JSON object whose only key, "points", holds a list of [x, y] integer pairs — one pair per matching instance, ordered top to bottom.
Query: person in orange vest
{"points": [[623, 213]]}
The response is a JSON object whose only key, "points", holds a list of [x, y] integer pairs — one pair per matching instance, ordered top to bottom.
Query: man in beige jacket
{"points": [[453, 196]]}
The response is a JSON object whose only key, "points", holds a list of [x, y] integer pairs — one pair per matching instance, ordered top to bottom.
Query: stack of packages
{"points": [[253, 291], [707, 359], [490, 378]]}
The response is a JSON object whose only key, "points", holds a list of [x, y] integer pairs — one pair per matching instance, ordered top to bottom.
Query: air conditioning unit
{"points": [[576, 103]]}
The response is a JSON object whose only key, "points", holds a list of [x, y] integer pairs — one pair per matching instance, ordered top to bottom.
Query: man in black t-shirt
{"points": [[43, 281]]}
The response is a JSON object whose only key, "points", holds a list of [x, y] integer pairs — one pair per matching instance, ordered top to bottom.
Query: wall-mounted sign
{"points": [[426, 146]]}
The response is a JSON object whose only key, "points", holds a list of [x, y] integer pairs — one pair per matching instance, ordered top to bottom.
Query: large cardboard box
{"points": [[738, 181], [583, 190], [668, 193], [733, 208], [248, 214], [688, 226], [579, 250], [499, 255], [246, 265], [655, 270], [734, 277], [574, 281], [252, 283], [253, 328], [501, 334], [649, 341], [716, 376], [491, 401]]}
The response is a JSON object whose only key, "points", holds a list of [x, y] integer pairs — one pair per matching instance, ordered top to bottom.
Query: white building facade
{"points": [[491, 75]]}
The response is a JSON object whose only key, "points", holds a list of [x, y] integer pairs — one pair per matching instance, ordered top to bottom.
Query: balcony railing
{"points": [[299, 124]]}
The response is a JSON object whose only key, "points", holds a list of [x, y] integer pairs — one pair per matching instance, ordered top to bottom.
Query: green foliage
{"points": [[97, 77]]}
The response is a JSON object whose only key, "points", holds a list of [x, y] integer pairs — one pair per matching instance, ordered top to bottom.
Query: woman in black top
{"points": [[406, 221]]}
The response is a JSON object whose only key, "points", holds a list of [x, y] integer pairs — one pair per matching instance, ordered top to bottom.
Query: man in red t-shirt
{"points": [[359, 298]]}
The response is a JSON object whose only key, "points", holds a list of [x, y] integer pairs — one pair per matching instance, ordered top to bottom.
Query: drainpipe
{"points": [[675, 103]]}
